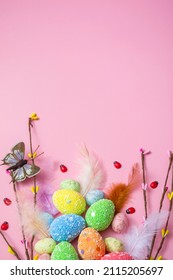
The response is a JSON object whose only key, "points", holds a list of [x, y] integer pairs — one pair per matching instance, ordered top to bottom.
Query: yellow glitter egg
{"points": [[69, 202], [91, 245]]}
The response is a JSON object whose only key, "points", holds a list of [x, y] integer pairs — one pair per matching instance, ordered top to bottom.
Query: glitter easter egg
{"points": [[70, 185], [93, 196], [69, 202], [100, 214], [47, 218], [120, 223], [66, 227], [91, 245], [113, 245], [45, 246], [64, 251], [117, 256], [44, 257]]}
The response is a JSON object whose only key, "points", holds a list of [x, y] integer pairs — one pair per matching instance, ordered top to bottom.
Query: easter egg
{"points": [[70, 185], [93, 196], [69, 202], [100, 214], [47, 218], [120, 223], [66, 227], [113, 244], [91, 245], [45, 246], [64, 251], [117, 256], [44, 257]]}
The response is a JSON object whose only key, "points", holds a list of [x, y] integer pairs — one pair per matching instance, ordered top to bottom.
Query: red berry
{"points": [[117, 164], [63, 168], [154, 184], [7, 201], [130, 210], [5, 226]]}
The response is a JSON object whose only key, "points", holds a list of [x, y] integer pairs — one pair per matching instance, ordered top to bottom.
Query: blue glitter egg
{"points": [[93, 196], [47, 218], [67, 227]]}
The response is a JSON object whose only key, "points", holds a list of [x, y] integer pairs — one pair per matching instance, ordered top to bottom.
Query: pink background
{"points": [[98, 72]]}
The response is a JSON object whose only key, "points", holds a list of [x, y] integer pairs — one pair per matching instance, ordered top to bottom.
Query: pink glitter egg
{"points": [[120, 223], [117, 256], [44, 257]]}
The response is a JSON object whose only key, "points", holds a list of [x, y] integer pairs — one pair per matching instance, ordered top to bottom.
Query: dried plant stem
{"points": [[33, 162], [144, 182], [35, 183], [162, 199], [20, 215], [167, 221], [32, 250], [15, 253]]}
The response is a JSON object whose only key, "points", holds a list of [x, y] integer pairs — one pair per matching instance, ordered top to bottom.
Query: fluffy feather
{"points": [[92, 174], [119, 193], [45, 203], [31, 219], [33, 223], [137, 241]]}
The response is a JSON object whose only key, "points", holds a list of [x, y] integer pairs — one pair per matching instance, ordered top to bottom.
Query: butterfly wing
{"points": [[19, 151], [17, 154], [9, 160], [31, 170], [19, 175]]}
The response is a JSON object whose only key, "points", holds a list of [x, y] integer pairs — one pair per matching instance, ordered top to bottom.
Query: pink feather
{"points": [[92, 175]]}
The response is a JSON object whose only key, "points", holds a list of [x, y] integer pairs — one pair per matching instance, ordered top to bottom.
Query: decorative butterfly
{"points": [[19, 167]]}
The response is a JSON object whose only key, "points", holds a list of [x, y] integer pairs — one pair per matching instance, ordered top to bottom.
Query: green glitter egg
{"points": [[70, 185], [100, 214], [113, 245], [64, 251]]}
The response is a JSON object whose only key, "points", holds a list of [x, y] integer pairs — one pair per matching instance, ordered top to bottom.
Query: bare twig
{"points": [[162, 199], [20, 215], [167, 221], [12, 249]]}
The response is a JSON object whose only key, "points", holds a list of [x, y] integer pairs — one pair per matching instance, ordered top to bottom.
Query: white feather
{"points": [[92, 175], [31, 218], [137, 241]]}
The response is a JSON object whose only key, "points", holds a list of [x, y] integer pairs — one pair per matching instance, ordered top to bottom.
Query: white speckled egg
{"points": [[69, 202], [120, 223], [45, 246]]}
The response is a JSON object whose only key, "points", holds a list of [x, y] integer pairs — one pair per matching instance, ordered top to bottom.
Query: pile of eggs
{"points": [[82, 219]]}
